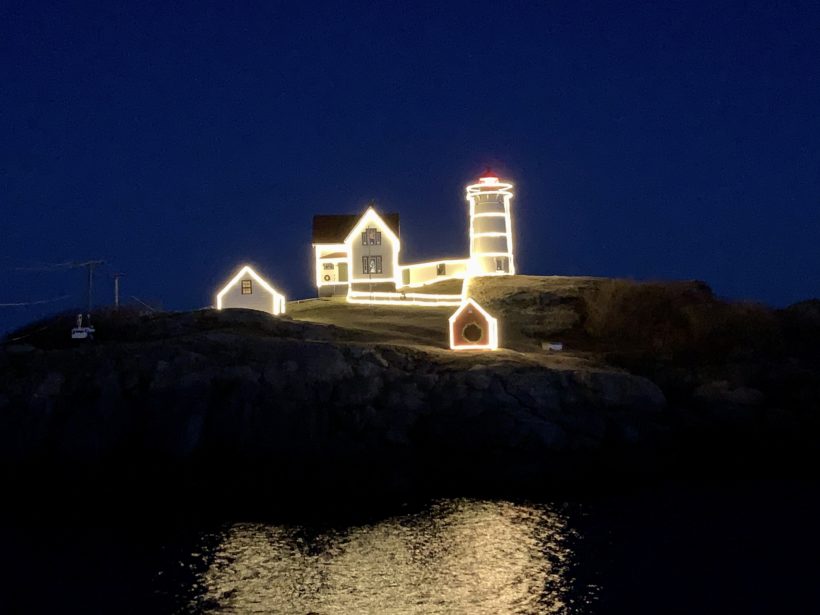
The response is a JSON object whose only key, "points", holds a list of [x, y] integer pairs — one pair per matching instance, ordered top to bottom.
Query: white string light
{"points": [[464, 269], [278, 299], [492, 328]]}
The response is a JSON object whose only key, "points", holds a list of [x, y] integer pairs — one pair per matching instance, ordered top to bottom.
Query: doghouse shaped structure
{"points": [[247, 289], [472, 328]]}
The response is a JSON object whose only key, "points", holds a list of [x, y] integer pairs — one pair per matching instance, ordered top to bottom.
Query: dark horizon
{"points": [[177, 143]]}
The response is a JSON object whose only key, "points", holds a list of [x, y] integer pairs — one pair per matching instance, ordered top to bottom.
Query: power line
{"points": [[89, 265], [58, 266], [48, 267], [137, 299], [28, 303]]}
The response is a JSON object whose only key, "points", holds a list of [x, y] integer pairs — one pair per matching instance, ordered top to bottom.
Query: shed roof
{"points": [[335, 228], [247, 271], [471, 303]]}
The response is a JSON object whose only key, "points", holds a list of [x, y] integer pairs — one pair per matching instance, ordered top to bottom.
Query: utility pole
{"points": [[89, 265], [117, 277]]}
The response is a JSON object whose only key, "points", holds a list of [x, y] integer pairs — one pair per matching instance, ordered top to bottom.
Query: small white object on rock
{"points": [[554, 346]]}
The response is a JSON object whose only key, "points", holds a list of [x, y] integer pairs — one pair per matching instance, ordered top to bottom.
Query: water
{"points": [[747, 547], [456, 556]]}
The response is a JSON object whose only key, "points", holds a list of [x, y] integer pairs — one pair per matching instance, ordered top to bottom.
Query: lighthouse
{"points": [[491, 242]]}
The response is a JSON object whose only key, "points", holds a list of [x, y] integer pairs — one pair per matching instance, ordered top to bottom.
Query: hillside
{"points": [[530, 310], [678, 334], [655, 377]]}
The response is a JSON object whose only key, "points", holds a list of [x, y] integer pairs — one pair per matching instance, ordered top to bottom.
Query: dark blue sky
{"points": [[176, 140]]}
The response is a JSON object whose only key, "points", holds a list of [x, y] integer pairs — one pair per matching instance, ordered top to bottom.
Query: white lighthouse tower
{"points": [[491, 242]]}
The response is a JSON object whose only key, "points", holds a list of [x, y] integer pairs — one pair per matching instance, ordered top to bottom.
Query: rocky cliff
{"points": [[238, 399]]}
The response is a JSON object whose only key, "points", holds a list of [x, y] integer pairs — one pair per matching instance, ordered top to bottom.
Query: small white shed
{"points": [[247, 289]]}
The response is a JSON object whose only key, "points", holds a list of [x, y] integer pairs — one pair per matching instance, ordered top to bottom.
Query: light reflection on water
{"points": [[456, 556]]}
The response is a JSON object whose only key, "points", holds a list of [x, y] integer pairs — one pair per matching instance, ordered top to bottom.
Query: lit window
{"points": [[371, 237], [371, 264], [499, 264], [327, 266], [441, 269], [247, 287]]}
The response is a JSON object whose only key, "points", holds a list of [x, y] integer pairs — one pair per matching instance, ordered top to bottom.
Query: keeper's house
{"points": [[350, 250]]}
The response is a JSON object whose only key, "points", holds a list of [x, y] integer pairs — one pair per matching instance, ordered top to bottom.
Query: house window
{"points": [[371, 237], [371, 264], [499, 264], [327, 266], [441, 269], [247, 287], [472, 332]]}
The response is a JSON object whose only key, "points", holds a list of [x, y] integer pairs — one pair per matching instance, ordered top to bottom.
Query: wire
{"points": [[59, 266], [28, 303], [143, 303], [8, 340]]}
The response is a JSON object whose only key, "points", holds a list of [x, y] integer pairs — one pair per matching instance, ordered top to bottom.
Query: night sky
{"points": [[177, 140]]}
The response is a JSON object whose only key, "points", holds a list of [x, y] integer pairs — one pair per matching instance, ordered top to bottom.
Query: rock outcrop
{"points": [[244, 388], [241, 399]]}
